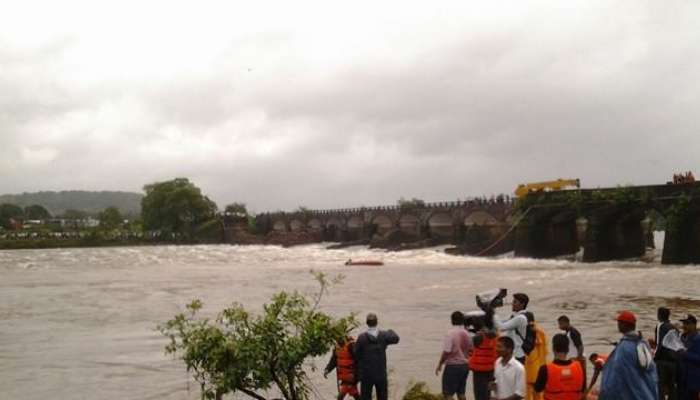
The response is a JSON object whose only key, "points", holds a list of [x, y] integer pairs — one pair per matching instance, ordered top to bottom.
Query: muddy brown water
{"points": [[80, 323]]}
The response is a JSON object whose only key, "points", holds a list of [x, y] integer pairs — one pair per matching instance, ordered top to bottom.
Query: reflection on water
{"points": [[81, 323]]}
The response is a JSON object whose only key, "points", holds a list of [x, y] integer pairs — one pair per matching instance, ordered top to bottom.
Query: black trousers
{"points": [[667, 379], [380, 384], [481, 385], [689, 394]]}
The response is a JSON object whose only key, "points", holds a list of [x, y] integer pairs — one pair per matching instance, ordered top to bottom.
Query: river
{"points": [[80, 323]]}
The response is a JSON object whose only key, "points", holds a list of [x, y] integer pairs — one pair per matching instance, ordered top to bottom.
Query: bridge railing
{"points": [[502, 200]]}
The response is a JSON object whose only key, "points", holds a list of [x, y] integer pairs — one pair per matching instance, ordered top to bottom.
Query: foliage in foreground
{"points": [[246, 353], [420, 391]]}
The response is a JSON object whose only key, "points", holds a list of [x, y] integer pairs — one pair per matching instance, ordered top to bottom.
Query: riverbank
{"points": [[88, 242]]}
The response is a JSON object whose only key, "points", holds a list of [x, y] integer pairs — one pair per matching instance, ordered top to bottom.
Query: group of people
{"points": [[679, 179], [508, 359]]}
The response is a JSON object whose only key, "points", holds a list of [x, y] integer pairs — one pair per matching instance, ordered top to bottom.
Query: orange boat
{"points": [[364, 262]]}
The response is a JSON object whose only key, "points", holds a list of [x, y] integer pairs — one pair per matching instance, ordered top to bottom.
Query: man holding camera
{"points": [[516, 326]]}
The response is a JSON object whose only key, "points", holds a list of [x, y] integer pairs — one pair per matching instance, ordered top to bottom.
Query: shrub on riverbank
{"points": [[250, 354], [420, 391]]}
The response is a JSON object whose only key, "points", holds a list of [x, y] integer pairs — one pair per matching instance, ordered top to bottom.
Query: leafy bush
{"points": [[246, 353], [420, 391]]}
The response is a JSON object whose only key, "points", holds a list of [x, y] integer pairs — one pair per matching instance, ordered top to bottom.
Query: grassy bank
{"points": [[36, 244]]}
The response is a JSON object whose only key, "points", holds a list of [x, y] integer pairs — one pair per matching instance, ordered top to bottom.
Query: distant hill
{"points": [[89, 202]]}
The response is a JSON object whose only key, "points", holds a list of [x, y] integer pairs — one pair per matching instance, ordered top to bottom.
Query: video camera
{"points": [[491, 299], [487, 301], [474, 320]]}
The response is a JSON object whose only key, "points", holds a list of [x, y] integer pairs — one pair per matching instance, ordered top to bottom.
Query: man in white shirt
{"points": [[516, 327], [509, 373]]}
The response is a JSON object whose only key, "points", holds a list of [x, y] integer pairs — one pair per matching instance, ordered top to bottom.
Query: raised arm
{"points": [[511, 324], [391, 337], [332, 363]]}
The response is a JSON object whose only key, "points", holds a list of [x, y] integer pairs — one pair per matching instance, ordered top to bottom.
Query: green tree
{"points": [[410, 204], [175, 206], [236, 209], [303, 210], [10, 211], [36, 211], [111, 218], [246, 353]]}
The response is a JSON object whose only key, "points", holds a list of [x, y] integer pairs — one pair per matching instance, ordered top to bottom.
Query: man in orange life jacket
{"points": [[483, 358], [343, 362], [562, 379]]}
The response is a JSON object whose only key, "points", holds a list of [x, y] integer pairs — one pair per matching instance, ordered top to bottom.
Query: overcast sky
{"points": [[330, 104]]}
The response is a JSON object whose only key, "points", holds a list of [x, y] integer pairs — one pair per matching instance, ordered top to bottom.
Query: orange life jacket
{"points": [[484, 356], [345, 363], [564, 382]]}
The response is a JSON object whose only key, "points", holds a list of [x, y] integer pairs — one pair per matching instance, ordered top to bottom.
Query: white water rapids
{"points": [[80, 323]]}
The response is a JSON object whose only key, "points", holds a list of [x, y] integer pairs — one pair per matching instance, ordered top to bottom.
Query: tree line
{"points": [[175, 208]]}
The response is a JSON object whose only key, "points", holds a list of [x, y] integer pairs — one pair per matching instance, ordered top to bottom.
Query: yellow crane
{"points": [[524, 188]]}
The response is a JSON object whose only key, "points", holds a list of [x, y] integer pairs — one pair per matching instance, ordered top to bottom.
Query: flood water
{"points": [[80, 323]]}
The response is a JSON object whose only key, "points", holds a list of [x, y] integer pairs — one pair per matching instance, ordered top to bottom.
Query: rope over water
{"points": [[505, 234]]}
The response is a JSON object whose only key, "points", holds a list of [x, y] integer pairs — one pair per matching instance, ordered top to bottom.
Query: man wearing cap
{"points": [[516, 327], [370, 354], [630, 372], [689, 388]]}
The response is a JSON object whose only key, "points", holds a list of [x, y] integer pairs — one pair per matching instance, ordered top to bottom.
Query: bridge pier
{"points": [[547, 233], [614, 233], [682, 239], [486, 240]]}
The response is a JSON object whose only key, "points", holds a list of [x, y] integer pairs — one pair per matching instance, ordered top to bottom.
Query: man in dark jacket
{"points": [[370, 354], [690, 360]]}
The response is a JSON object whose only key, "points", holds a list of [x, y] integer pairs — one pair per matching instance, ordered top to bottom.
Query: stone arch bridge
{"points": [[607, 223], [397, 227]]}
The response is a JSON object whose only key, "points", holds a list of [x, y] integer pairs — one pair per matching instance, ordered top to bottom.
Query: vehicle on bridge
{"points": [[524, 188]]}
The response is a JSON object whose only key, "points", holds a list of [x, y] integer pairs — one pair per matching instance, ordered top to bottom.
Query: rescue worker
{"points": [[575, 342], [483, 358], [536, 359], [343, 361], [598, 361], [630, 372], [561, 379]]}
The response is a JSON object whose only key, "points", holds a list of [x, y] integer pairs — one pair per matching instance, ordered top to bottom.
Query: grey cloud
{"points": [[609, 104]]}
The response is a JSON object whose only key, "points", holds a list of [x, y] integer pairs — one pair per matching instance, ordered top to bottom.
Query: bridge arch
{"points": [[481, 218], [334, 221], [355, 222], [383, 223], [409, 223], [315, 224], [440, 224], [296, 225], [279, 226]]}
